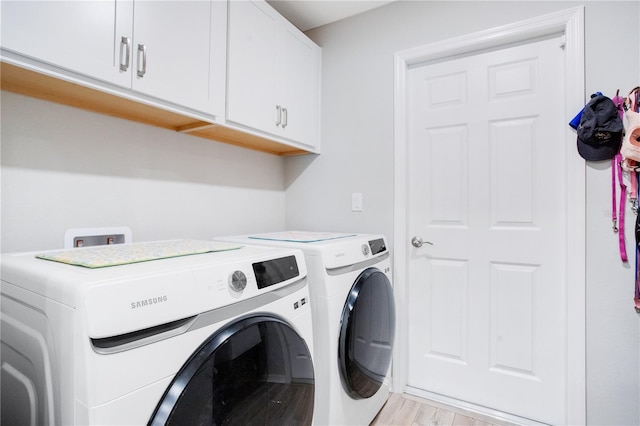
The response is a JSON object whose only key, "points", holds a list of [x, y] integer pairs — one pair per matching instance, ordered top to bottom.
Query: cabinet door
{"points": [[74, 35], [173, 49], [251, 66], [273, 74], [298, 85]]}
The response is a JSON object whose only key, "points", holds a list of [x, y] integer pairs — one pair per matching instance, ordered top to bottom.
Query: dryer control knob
{"points": [[365, 249], [238, 281]]}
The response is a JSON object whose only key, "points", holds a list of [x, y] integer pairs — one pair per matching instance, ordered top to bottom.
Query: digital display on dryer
{"points": [[377, 246], [275, 271]]}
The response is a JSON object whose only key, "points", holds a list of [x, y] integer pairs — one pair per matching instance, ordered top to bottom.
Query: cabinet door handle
{"points": [[125, 45], [142, 49], [278, 115], [285, 117]]}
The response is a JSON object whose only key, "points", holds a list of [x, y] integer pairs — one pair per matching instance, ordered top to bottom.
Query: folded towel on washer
{"points": [[124, 254]]}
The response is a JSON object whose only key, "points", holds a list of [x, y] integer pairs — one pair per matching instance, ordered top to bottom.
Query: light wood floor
{"points": [[408, 410]]}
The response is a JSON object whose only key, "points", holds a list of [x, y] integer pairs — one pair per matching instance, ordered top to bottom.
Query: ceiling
{"points": [[309, 14]]}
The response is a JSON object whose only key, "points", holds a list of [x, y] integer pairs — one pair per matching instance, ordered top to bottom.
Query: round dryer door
{"points": [[366, 334], [257, 369]]}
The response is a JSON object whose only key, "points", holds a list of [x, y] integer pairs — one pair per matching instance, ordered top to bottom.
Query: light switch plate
{"points": [[356, 202]]}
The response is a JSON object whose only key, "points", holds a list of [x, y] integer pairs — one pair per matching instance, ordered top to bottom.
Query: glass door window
{"points": [[366, 334], [255, 371]]}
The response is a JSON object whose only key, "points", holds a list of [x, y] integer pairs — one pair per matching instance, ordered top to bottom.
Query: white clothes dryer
{"points": [[350, 283], [223, 337]]}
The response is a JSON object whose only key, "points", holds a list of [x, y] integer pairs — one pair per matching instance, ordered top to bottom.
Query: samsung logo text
{"points": [[148, 302]]}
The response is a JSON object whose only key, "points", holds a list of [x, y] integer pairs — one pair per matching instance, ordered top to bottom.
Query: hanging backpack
{"points": [[631, 123], [631, 146]]}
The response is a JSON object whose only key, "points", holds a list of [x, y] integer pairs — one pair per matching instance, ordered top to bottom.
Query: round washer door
{"points": [[367, 331], [256, 370]]}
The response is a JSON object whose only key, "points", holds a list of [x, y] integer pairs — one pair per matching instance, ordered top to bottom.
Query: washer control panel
{"points": [[377, 246], [274, 271]]}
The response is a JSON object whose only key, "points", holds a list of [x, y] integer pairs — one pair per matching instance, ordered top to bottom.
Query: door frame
{"points": [[570, 24]]}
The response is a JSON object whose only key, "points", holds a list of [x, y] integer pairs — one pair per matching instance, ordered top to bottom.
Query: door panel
{"points": [[74, 35], [178, 60], [252, 66], [297, 85], [487, 302]]}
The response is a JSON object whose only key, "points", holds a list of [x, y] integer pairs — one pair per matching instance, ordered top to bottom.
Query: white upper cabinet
{"points": [[74, 35], [170, 50], [174, 50], [234, 71], [273, 74], [298, 86]]}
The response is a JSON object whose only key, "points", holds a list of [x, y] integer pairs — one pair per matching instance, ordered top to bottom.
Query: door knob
{"points": [[417, 242]]}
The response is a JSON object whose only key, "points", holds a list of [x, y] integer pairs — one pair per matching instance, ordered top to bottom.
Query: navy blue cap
{"points": [[600, 130]]}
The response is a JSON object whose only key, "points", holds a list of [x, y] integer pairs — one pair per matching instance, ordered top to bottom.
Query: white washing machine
{"points": [[354, 319], [222, 337]]}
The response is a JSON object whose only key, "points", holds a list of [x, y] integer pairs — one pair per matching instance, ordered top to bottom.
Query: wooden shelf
{"points": [[30, 83]]}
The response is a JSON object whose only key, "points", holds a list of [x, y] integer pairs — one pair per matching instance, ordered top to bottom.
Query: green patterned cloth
{"points": [[124, 254]]}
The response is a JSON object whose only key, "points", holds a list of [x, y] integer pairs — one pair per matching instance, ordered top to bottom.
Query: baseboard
{"points": [[472, 410]]}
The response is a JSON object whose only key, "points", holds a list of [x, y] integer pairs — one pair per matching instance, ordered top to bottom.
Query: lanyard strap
{"points": [[633, 193], [614, 217], [618, 218], [636, 290], [636, 295]]}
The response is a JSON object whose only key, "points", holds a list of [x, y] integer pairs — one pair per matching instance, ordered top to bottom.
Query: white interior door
{"points": [[487, 301]]}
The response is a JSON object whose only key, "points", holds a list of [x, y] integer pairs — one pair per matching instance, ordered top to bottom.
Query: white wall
{"points": [[357, 156], [66, 168], [613, 331]]}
